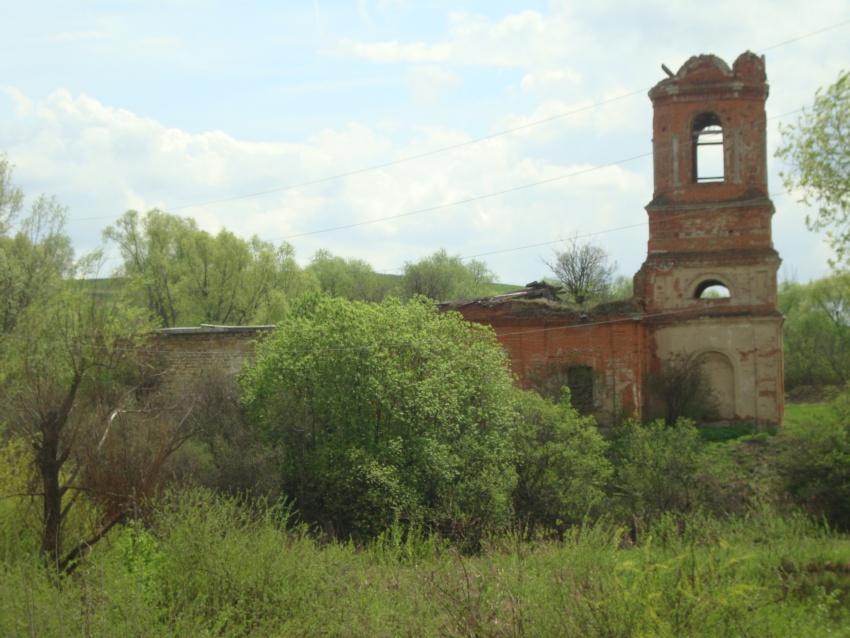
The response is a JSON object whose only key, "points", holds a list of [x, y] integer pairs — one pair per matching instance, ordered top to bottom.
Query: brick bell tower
{"points": [[710, 230]]}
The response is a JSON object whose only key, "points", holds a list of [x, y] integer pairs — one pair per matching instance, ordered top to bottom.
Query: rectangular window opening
{"points": [[709, 155], [580, 382]]}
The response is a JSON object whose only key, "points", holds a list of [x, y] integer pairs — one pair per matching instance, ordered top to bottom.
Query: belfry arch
{"points": [[708, 161], [707, 284]]}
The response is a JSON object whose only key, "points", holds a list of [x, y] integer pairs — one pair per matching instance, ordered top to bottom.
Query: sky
{"points": [[387, 129]]}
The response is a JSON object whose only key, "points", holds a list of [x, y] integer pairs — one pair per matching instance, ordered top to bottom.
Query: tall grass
{"points": [[206, 565]]}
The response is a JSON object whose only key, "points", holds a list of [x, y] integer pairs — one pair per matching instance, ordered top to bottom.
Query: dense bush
{"points": [[387, 410], [227, 453], [561, 464], [816, 464], [655, 470]]}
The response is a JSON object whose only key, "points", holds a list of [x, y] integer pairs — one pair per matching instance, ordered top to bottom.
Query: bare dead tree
{"points": [[585, 270], [69, 388], [685, 388], [92, 438]]}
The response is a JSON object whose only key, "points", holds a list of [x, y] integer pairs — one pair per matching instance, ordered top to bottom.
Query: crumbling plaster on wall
{"points": [[749, 344]]}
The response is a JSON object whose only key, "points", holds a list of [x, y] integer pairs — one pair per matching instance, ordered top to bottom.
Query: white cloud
{"points": [[527, 39], [392, 51], [517, 68], [549, 81], [429, 83], [23, 105], [102, 161]]}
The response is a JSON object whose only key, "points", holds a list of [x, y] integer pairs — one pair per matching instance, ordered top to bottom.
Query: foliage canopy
{"points": [[817, 153], [35, 258], [188, 276], [444, 277], [348, 278], [816, 331], [68, 369], [386, 410]]}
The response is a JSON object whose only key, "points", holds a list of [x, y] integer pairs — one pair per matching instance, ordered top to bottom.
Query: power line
{"points": [[807, 35], [446, 148], [416, 157], [391, 163], [487, 196], [480, 197], [768, 197], [468, 200]]}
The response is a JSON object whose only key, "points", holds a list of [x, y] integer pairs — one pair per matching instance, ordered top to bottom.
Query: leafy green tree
{"points": [[817, 155], [11, 196], [35, 258], [189, 276], [444, 277], [352, 279], [622, 288], [817, 331], [67, 371], [68, 374], [384, 412], [561, 463]]}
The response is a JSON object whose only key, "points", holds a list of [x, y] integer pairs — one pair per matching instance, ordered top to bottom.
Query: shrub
{"points": [[685, 388], [386, 411], [227, 454], [561, 463], [816, 465], [655, 470], [18, 513]]}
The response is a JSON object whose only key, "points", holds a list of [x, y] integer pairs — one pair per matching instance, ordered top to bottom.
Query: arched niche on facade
{"points": [[721, 374]]}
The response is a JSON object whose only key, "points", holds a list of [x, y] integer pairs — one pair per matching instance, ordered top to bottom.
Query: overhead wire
{"points": [[446, 148], [402, 160], [517, 188], [487, 195], [469, 200]]}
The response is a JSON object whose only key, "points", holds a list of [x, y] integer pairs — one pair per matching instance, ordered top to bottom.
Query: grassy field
{"points": [[801, 414], [731, 555], [210, 567]]}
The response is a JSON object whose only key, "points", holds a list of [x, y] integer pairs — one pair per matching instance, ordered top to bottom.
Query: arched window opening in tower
{"points": [[708, 149], [712, 289]]}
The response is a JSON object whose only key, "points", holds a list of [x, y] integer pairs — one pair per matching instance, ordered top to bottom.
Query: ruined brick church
{"points": [[709, 226]]}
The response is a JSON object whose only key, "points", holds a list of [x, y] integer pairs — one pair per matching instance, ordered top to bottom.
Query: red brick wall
{"points": [[612, 345]]}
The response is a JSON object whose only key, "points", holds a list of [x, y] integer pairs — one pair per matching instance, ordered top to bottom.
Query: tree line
{"points": [[187, 276]]}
